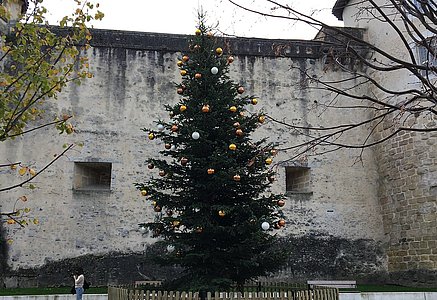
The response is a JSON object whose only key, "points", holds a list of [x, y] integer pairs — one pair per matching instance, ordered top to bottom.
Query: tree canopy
{"points": [[37, 60], [213, 207]]}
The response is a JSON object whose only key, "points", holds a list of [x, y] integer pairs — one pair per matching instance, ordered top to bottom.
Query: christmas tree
{"points": [[215, 214]]}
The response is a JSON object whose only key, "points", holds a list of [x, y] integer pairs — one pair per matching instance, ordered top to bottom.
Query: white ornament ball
{"points": [[214, 70], [160, 127], [195, 135], [173, 148], [265, 225], [142, 229], [170, 248]]}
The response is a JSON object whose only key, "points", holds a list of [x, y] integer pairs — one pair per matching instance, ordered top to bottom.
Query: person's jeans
{"points": [[79, 293]]}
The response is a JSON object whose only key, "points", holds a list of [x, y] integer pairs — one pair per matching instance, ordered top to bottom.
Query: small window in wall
{"points": [[424, 5], [425, 57], [92, 176], [298, 179]]}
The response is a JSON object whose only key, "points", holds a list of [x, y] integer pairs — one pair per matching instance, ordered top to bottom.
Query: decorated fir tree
{"points": [[214, 212]]}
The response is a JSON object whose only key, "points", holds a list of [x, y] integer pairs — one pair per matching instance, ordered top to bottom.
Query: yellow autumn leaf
{"points": [[22, 171], [32, 172], [23, 198], [10, 221], [35, 221], [10, 241]]}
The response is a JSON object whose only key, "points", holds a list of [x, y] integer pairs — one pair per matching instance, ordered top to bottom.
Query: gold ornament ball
{"points": [[198, 32], [209, 34], [196, 47], [219, 51], [185, 58], [230, 59], [180, 63], [183, 72], [197, 75], [240, 90], [180, 91], [254, 101], [182, 108], [205, 108], [233, 109], [262, 119], [236, 124], [174, 128], [239, 132], [151, 136], [167, 146], [232, 147], [274, 152], [184, 161], [269, 161], [150, 166], [211, 171], [162, 173], [237, 177], [271, 178], [143, 192], [154, 203], [281, 203], [157, 208], [169, 213], [221, 213], [281, 222], [176, 223], [199, 230]]}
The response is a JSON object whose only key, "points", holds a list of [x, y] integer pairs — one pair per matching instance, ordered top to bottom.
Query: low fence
{"points": [[121, 293]]}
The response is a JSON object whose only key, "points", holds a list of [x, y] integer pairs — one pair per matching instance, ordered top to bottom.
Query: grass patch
{"points": [[104, 290], [49, 291]]}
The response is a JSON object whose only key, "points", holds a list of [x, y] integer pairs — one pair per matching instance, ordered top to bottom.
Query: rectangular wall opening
{"points": [[92, 176], [298, 179]]}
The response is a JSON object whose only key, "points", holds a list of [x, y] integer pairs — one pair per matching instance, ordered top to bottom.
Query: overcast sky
{"points": [[175, 16]]}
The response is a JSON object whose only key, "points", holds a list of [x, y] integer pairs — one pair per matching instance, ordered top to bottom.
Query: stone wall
{"points": [[134, 76], [407, 163], [409, 204]]}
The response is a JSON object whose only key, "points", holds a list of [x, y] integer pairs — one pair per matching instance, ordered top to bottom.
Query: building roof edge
{"points": [[338, 8], [151, 41]]}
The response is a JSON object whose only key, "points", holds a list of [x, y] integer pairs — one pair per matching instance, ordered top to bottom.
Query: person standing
{"points": [[79, 280]]}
